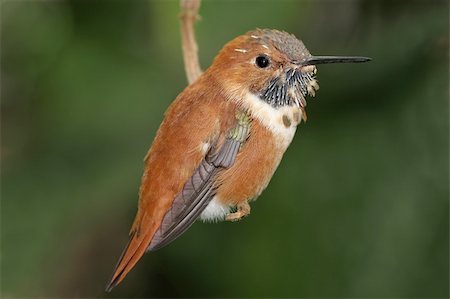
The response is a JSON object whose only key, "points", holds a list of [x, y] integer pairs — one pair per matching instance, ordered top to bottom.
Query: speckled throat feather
{"points": [[290, 89]]}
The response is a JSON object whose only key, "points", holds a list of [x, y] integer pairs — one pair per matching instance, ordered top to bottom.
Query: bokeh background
{"points": [[358, 207]]}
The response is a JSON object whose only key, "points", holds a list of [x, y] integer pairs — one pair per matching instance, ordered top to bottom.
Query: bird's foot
{"points": [[243, 210]]}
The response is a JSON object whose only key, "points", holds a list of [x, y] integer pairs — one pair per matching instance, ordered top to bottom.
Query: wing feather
{"points": [[199, 190]]}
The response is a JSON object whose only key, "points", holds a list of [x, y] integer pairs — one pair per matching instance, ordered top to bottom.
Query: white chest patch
{"points": [[281, 121]]}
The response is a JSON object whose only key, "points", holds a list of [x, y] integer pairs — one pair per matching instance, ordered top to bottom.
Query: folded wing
{"points": [[196, 194]]}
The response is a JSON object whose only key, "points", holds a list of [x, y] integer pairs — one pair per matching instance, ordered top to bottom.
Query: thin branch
{"points": [[188, 16]]}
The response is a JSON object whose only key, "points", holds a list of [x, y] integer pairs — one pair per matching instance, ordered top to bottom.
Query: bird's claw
{"points": [[243, 210]]}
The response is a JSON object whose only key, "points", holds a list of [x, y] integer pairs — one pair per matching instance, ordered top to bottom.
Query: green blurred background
{"points": [[358, 207]]}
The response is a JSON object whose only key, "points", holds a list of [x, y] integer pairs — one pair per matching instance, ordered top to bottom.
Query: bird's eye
{"points": [[262, 61]]}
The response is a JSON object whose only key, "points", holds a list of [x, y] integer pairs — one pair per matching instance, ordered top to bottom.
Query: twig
{"points": [[188, 16]]}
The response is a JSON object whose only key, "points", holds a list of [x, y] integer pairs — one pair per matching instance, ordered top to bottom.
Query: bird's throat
{"points": [[289, 89]]}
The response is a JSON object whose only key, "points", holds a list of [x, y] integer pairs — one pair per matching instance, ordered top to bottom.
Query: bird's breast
{"points": [[281, 121], [272, 130]]}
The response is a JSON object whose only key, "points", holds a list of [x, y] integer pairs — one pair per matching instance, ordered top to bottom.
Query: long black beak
{"points": [[313, 60]]}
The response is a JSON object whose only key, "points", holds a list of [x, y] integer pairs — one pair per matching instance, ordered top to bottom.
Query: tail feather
{"points": [[134, 250]]}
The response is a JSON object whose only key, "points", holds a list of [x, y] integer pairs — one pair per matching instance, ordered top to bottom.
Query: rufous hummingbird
{"points": [[222, 139]]}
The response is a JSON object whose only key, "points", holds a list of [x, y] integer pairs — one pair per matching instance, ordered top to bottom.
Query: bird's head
{"points": [[271, 64]]}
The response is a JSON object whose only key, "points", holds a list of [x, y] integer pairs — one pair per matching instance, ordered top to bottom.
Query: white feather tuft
{"points": [[215, 211]]}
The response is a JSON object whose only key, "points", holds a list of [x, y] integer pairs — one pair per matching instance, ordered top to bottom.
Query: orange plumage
{"points": [[197, 115], [222, 139]]}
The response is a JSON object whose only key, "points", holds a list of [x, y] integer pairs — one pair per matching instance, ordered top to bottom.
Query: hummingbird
{"points": [[222, 139]]}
